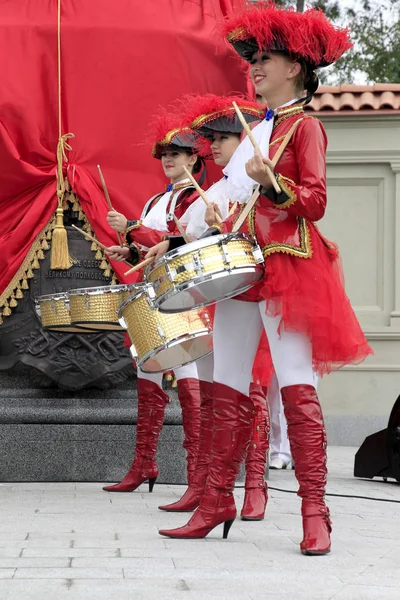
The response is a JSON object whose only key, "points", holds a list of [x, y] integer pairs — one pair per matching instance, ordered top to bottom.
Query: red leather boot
{"points": [[152, 401], [233, 414], [307, 437], [256, 490], [191, 498]]}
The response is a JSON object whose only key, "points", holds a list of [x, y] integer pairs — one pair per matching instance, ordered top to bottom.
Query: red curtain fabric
{"points": [[119, 62]]}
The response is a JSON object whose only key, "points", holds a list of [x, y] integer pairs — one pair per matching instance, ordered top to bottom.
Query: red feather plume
{"points": [[309, 35]]}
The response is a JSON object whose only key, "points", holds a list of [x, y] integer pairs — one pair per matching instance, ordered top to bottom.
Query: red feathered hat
{"points": [[309, 35], [210, 113], [169, 129]]}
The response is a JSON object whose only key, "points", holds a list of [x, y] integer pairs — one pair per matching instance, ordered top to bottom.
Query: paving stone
{"points": [[113, 545]]}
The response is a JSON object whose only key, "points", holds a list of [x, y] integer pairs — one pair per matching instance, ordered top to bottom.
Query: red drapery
{"points": [[119, 62]]}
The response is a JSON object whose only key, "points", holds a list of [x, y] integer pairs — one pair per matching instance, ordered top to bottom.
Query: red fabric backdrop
{"points": [[120, 61]]}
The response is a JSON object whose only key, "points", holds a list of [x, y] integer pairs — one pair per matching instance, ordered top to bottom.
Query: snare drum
{"points": [[205, 271], [96, 308], [53, 311], [162, 342]]}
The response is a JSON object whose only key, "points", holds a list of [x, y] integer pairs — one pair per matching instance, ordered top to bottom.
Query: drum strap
{"points": [[256, 193]]}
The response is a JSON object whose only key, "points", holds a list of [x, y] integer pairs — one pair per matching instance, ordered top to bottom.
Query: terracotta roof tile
{"points": [[350, 98]]}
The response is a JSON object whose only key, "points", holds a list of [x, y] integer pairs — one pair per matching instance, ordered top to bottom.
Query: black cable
{"points": [[241, 487], [339, 495]]}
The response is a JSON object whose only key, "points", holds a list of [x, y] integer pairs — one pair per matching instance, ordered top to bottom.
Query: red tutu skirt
{"points": [[309, 295]]}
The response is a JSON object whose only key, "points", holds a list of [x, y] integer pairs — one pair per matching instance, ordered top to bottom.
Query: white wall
{"points": [[363, 217]]}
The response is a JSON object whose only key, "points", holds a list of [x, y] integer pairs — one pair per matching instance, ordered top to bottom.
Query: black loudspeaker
{"points": [[379, 454]]}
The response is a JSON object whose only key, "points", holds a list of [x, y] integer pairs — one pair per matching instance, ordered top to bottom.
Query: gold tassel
{"points": [[75, 205], [81, 216], [48, 234], [45, 245], [59, 247], [94, 247], [40, 254], [99, 255], [35, 263], [103, 264], [107, 273], [29, 274], [114, 280], [24, 284], [19, 293], [13, 303], [6, 310], [1, 320]]}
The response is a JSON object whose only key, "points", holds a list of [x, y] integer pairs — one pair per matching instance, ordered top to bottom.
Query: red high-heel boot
{"points": [[152, 401], [233, 413], [307, 438], [256, 489], [192, 496]]}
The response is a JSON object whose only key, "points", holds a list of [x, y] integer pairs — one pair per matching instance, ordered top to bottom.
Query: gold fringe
{"points": [[45, 245], [94, 247], [40, 254], [99, 255], [103, 264], [107, 271], [19, 282], [1, 320]]}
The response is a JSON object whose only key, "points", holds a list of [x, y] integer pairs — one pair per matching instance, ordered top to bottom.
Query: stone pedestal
{"points": [[48, 434]]}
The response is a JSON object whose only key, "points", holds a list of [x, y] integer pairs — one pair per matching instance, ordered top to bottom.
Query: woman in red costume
{"points": [[215, 119], [175, 148], [300, 303]]}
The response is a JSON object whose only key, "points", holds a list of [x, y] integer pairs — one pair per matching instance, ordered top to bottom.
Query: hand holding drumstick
{"points": [[258, 168]]}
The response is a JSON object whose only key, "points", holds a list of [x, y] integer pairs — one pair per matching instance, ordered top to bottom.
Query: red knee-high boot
{"points": [[152, 401], [232, 429], [307, 438], [256, 490], [191, 498]]}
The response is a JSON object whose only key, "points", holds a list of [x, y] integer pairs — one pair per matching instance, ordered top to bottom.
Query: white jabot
{"points": [[240, 185], [194, 216], [156, 218]]}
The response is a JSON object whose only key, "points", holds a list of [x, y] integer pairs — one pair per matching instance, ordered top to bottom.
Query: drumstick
{"points": [[256, 146], [201, 192], [107, 196], [246, 210], [181, 230], [92, 239], [145, 262]]}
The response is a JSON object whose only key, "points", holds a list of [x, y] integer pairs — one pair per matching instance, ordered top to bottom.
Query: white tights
{"points": [[237, 330]]}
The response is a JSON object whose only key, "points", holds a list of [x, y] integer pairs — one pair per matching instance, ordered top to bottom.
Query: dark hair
{"points": [[307, 79], [198, 165]]}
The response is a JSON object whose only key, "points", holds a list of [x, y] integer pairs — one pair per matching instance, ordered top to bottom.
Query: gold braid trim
{"points": [[239, 33], [250, 110], [286, 113], [169, 138], [279, 139], [285, 184], [131, 228], [302, 251], [8, 298]]}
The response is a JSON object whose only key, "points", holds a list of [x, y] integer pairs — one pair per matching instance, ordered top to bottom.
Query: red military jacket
{"points": [[282, 223], [137, 233]]}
